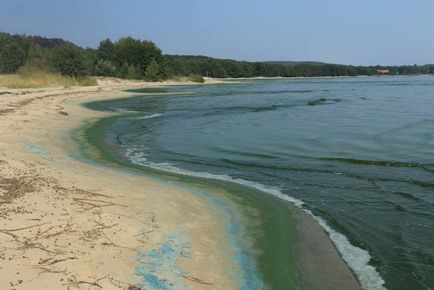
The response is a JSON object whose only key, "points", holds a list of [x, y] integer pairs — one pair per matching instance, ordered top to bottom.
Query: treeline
{"points": [[141, 59], [221, 68]]}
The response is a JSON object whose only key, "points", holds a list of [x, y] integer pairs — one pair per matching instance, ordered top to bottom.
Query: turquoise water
{"points": [[358, 153]]}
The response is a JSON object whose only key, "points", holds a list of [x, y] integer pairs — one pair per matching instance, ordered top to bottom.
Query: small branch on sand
{"points": [[90, 193], [99, 203], [103, 226], [20, 229], [8, 233], [59, 233], [113, 244], [31, 245], [50, 261], [48, 270], [195, 280], [114, 282], [76, 284]]}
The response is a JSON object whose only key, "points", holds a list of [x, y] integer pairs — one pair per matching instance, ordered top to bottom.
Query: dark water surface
{"points": [[358, 152]]}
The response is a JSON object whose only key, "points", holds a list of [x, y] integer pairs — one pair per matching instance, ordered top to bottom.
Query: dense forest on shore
{"points": [[141, 59]]}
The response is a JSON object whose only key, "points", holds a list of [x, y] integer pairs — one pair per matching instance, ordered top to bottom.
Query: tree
{"points": [[105, 50], [135, 52], [11, 57], [68, 60], [90, 60], [105, 68], [153, 71], [134, 73]]}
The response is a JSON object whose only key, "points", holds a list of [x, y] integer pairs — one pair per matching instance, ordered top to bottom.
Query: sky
{"points": [[358, 32]]}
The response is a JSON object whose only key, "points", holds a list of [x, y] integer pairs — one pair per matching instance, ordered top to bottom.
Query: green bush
{"points": [[105, 68], [153, 72], [134, 73], [197, 78]]}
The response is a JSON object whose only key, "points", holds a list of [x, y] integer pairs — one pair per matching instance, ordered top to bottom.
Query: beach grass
{"points": [[40, 79]]}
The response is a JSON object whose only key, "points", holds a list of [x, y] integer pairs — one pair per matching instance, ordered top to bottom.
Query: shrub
{"points": [[33, 66], [105, 68], [153, 72], [134, 73], [197, 78]]}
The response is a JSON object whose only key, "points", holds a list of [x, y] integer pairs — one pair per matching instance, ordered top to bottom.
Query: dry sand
{"points": [[66, 224]]}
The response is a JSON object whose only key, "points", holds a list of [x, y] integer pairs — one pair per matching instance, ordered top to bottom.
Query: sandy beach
{"points": [[68, 224]]}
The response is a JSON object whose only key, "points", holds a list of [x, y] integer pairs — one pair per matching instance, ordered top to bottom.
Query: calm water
{"points": [[359, 152]]}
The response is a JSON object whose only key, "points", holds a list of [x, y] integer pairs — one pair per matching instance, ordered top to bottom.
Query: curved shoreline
{"points": [[49, 156], [317, 269]]}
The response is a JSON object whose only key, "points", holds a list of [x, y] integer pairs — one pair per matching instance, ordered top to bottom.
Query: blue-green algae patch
{"points": [[39, 150], [159, 267], [247, 270]]}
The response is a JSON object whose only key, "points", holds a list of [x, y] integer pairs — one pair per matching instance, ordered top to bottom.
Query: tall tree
{"points": [[105, 50], [68, 60]]}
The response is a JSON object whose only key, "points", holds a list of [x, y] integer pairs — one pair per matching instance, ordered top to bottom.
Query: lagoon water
{"points": [[358, 152]]}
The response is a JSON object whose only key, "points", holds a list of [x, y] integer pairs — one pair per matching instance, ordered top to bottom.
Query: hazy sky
{"points": [[340, 31]]}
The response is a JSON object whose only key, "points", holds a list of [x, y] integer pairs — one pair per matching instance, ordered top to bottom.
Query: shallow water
{"points": [[358, 152]]}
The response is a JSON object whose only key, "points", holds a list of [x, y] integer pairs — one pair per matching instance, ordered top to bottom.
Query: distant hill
{"points": [[47, 42]]}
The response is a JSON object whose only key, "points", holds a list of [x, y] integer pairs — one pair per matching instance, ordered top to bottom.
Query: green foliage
{"points": [[105, 51], [13, 52], [37, 52], [135, 52], [11, 57], [130, 57], [90, 59], [138, 59], [68, 60], [33, 66], [105, 68], [153, 72], [134, 73], [197, 78]]}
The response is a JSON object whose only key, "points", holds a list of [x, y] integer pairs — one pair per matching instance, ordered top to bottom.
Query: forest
{"points": [[131, 58]]}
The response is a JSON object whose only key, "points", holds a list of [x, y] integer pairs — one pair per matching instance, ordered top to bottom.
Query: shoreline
{"points": [[69, 182], [316, 264]]}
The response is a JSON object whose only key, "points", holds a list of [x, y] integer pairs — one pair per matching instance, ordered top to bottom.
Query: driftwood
{"points": [[195, 280]]}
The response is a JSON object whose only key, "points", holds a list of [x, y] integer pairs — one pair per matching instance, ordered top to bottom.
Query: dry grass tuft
{"points": [[29, 78]]}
